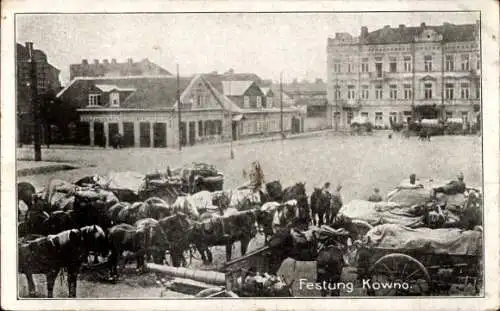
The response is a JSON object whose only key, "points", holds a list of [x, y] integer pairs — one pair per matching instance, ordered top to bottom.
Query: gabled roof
{"points": [[235, 88], [266, 90], [150, 92]]}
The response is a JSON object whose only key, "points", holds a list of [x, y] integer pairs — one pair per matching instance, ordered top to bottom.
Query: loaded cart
{"points": [[397, 261]]}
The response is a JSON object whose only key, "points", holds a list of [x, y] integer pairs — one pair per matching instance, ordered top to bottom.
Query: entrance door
{"points": [[192, 132], [128, 134], [183, 134], [145, 135], [159, 135], [99, 139]]}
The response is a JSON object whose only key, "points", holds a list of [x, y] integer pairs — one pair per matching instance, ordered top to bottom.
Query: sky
{"points": [[265, 44]]}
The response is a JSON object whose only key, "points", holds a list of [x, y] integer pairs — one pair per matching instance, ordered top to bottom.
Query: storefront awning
{"points": [[238, 117]]}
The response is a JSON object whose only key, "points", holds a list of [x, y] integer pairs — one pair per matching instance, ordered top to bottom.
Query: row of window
{"points": [[408, 48], [463, 64], [407, 91], [95, 100], [258, 102], [379, 116], [259, 126], [209, 127]]}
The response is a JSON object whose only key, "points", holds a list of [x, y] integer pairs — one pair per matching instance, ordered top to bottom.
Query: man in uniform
{"points": [[255, 176], [453, 187], [375, 197], [336, 203]]}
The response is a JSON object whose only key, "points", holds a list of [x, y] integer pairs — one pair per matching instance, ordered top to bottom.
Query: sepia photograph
{"points": [[201, 155]]}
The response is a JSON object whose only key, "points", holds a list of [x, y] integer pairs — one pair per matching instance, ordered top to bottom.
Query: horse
{"points": [[298, 192], [25, 193], [320, 206], [224, 230], [177, 232], [125, 237], [157, 239], [48, 255]]}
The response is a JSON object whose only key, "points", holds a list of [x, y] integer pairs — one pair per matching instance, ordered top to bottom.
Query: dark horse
{"points": [[298, 192], [25, 193], [320, 206], [176, 229], [224, 230], [68, 249]]}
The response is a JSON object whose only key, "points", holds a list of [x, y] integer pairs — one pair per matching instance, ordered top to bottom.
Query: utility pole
{"points": [[35, 105], [281, 105], [179, 109], [231, 151]]}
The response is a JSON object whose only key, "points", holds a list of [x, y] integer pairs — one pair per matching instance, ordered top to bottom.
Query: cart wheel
{"points": [[398, 275], [216, 292]]}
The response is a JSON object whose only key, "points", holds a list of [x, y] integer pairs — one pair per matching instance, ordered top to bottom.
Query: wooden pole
{"points": [[35, 105], [281, 106], [179, 109], [210, 277]]}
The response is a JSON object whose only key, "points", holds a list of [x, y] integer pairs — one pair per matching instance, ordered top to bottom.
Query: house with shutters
{"points": [[144, 109]]}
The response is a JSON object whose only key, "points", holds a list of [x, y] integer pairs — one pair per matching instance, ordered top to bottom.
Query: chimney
{"points": [[422, 25], [401, 26], [364, 32], [29, 45], [96, 61], [105, 61], [113, 61], [130, 61], [85, 62]]}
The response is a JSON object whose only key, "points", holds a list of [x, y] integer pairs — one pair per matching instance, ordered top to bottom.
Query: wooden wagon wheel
{"points": [[405, 275], [216, 292]]}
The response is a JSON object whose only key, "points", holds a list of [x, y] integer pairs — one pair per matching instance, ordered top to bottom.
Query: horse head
{"points": [[94, 238]]}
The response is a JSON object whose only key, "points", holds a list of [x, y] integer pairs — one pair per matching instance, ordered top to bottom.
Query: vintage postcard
{"points": [[227, 155]]}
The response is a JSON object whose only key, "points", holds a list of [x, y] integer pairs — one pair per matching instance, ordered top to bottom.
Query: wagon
{"points": [[361, 125], [198, 177], [421, 269]]}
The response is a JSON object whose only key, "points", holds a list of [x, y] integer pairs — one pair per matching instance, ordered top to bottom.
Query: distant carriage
{"points": [[361, 125], [198, 177]]}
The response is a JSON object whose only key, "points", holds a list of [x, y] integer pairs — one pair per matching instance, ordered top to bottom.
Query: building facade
{"points": [[405, 72], [47, 86], [311, 99], [144, 110]]}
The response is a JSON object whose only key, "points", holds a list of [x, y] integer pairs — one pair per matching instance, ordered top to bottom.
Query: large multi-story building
{"points": [[405, 72], [47, 85]]}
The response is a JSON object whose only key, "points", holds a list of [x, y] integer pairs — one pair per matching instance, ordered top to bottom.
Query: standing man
{"points": [[375, 197], [326, 200], [336, 203]]}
